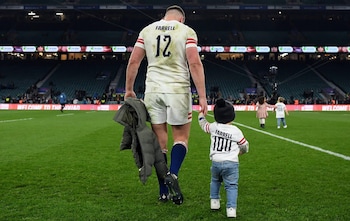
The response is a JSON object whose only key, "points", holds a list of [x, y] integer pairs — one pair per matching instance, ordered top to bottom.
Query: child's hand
{"points": [[200, 115]]}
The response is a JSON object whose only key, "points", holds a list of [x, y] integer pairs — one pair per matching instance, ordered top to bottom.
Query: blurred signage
{"points": [[209, 49]]}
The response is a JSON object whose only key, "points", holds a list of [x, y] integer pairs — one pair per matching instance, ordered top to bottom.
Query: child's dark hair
{"points": [[261, 100]]}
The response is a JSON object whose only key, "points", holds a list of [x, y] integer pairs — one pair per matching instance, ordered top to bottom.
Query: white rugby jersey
{"points": [[165, 43], [280, 108], [225, 139]]}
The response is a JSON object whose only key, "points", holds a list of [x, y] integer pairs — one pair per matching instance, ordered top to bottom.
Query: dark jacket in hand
{"points": [[140, 138]]}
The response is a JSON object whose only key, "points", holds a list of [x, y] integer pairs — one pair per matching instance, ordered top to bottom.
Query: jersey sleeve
{"points": [[192, 38], [140, 40], [203, 123], [243, 145]]}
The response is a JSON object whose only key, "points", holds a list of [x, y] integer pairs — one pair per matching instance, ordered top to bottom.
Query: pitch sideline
{"points": [[15, 120], [296, 142]]}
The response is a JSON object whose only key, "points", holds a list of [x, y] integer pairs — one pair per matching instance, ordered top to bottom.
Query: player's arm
{"points": [[135, 60], [197, 73]]}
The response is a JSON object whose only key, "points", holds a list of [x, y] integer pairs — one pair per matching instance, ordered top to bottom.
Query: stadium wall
{"points": [[115, 107]]}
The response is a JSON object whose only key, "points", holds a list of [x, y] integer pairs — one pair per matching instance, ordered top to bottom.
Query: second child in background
{"points": [[261, 110], [281, 112], [227, 142]]}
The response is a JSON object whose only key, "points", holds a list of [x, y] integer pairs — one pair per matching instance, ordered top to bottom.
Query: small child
{"points": [[261, 110], [281, 110], [227, 142]]}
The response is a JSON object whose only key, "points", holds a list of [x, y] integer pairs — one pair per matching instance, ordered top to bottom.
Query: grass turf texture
{"points": [[68, 166]]}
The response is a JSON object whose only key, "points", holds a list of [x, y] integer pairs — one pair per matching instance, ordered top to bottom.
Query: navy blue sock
{"points": [[178, 154]]}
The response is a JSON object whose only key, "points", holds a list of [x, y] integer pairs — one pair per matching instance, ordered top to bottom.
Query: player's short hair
{"points": [[176, 7]]}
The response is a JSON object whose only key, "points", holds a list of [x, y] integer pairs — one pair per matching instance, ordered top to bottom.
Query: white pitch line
{"points": [[63, 115], [15, 120], [295, 142]]}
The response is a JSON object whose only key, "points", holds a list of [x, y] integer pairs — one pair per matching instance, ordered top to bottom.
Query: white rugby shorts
{"points": [[174, 109]]}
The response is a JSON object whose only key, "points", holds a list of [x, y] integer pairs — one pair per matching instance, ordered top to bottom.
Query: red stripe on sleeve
{"points": [[140, 40], [191, 41], [207, 127], [242, 141]]}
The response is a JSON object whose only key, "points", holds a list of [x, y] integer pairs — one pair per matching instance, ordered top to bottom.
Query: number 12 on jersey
{"points": [[163, 42]]}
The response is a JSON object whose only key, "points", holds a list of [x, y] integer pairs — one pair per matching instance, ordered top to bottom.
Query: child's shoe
{"points": [[215, 204], [231, 212]]}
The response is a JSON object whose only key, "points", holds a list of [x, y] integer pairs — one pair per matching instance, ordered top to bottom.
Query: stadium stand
{"points": [[214, 27], [336, 73], [17, 77], [226, 78], [79, 79], [294, 80], [139, 85]]}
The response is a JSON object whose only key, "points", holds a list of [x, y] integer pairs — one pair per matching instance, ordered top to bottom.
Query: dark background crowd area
{"points": [[99, 78]]}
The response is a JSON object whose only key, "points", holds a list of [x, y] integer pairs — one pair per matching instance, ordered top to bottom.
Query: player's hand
{"points": [[130, 94], [203, 105]]}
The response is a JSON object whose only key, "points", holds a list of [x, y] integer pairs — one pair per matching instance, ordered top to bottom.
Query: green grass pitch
{"points": [[68, 166]]}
